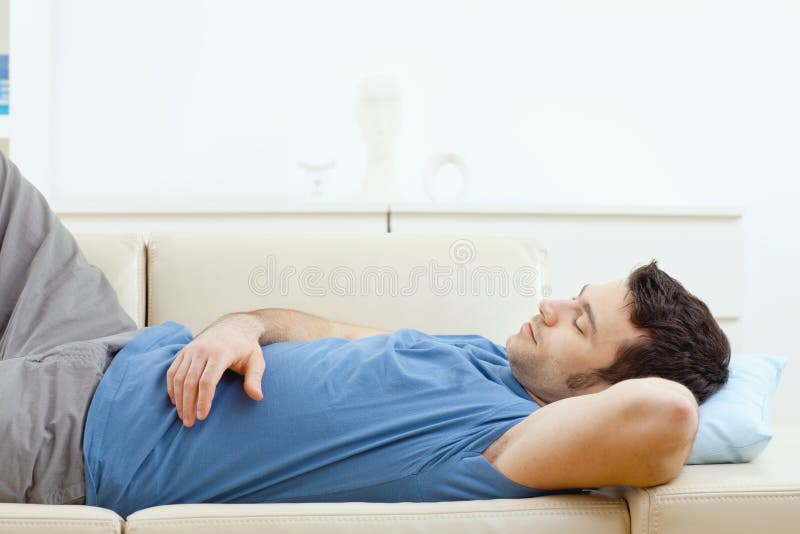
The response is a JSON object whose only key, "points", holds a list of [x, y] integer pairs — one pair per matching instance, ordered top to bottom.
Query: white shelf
{"points": [[288, 206], [227, 207], [568, 209]]}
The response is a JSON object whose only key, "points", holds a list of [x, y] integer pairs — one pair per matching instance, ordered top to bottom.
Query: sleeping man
{"points": [[278, 405]]}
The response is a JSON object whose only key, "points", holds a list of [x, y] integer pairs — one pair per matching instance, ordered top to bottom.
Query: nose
{"points": [[551, 310]]}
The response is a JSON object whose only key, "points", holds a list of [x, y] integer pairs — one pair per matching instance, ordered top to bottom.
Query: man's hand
{"points": [[231, 342], [234, 342]]}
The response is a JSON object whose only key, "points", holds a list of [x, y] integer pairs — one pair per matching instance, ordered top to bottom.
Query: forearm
{"points": [[273, 325], [234, 342], [659, 419], [671, 421], [635, 433]]}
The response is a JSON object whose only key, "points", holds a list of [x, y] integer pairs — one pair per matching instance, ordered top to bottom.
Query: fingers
{"points": [[176, 363], [194, 374], [253, 374], [177, 386], [190, 386], [208, 386]]}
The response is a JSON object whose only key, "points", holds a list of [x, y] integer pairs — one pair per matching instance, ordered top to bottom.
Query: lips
{"points": [[529, 331]]}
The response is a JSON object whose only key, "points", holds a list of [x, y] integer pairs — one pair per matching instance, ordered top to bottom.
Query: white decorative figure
{"points": [[379, 111]]}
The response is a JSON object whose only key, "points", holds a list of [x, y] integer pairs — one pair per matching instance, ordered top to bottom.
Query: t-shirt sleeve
{"points": [[468, 475]]}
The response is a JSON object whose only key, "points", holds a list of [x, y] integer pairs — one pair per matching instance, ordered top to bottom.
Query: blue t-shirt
{"points": [[388, 418]]}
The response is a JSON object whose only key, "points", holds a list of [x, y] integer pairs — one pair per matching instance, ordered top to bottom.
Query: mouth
{"points": [[528, 328]]}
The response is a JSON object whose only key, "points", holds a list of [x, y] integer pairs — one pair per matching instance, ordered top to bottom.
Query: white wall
{"points": [[574, 101], [191, 103]]}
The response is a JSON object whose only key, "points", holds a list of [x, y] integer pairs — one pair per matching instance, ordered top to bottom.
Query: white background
{"points": [[185, 103]]}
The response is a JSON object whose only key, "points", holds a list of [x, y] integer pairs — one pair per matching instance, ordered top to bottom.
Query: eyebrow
{"points": [[588, 310]]}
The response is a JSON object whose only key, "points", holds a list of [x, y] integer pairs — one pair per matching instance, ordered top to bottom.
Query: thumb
{"points": [[253, 374]]}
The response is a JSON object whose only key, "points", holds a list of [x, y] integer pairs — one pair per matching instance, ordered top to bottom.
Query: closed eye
{"points": [[575, 322]]}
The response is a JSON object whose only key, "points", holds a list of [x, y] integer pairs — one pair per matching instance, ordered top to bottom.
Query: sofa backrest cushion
{"points": [[121, 257], [485, 285]]}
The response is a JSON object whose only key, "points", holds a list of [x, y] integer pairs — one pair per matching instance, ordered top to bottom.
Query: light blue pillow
{"points": [[734, 421]]}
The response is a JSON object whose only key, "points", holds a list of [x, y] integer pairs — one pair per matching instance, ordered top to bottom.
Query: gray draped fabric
{"points": [[60, 325]]}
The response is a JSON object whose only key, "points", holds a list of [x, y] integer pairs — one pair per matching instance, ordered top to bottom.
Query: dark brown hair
{"points": [[681, 340]]}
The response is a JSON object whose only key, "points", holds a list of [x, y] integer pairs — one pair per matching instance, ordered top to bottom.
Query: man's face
{"points": [[571, 337]]}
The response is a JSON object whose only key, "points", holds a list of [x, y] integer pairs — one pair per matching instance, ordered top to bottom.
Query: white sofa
{"points": [[194, 278]]}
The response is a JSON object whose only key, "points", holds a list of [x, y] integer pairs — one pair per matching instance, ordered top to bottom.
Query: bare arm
{"points": [[279, 324], [234, 342], [637, 432]]}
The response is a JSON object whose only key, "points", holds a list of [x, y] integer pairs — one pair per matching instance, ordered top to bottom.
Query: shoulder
{"points": [[457, 340]]}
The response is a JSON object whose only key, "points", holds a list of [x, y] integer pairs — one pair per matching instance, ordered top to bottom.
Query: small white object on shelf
{"points": [[446, 177]]}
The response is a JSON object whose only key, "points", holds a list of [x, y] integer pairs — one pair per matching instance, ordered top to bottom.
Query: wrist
{"points": [[251, 325]]}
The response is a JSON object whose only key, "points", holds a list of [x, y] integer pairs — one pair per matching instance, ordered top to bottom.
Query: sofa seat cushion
{"points": [[761, 496], [558, 513], [66, 519]]}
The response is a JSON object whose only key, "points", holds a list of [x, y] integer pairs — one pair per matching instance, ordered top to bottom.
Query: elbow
{"points": [[662, 418], [684, 418], [681, 419]]}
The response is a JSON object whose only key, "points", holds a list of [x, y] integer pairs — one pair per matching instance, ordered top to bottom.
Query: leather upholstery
{"points": [[121, 257], [195, 278], [760, 496], [566, 514], [64, 519]]}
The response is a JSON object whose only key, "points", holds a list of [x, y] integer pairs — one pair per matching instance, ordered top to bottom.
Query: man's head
{"points": [[646, 325]]}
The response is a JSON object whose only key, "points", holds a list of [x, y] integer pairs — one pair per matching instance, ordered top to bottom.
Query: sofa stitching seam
{"points": [[151, 256], [141, 277], [749, 487], [685, 498], [365, 518], [59, 522], [649, 523]]}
